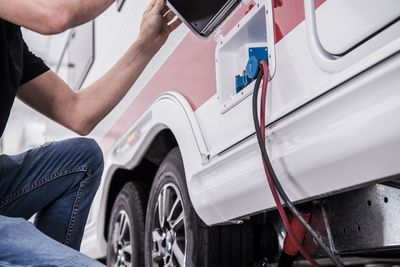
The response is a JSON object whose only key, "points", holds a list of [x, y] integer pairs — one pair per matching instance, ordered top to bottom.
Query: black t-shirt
{"points": [[17, 66]]}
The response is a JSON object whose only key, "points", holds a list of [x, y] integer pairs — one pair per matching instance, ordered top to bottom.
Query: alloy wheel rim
{"points": [[169, 229], [122, 241]]}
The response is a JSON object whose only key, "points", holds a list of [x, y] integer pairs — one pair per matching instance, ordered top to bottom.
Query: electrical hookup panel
{"points": [[238, 53]]}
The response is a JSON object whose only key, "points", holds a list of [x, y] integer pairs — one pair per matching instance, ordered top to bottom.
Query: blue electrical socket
{"points": [[256, 54]]}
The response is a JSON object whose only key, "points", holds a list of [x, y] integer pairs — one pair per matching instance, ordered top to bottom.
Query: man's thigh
{"points": [[36, 175], [21, 244]]}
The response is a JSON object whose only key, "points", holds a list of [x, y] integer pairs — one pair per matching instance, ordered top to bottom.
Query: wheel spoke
{"points": [[168, 201], [161, 208], [173, 208], [121, 222], [178, 223], [124, 224], [157, 237], [127, 249], [180, 257], [128, 262]]}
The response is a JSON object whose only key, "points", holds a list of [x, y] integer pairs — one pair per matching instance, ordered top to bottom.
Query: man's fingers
{"points": [[165, 11], [169, 15], [172, 25]]}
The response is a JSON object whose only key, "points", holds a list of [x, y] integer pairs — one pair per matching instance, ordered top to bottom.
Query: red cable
{"points": [[271, 183], [299, 230]]}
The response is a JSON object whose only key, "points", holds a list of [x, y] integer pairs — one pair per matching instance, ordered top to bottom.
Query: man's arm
{"points": [[51, 16], [82, 111]]}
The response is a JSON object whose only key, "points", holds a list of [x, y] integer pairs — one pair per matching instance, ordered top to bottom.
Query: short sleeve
{"points": [[33, 66]]}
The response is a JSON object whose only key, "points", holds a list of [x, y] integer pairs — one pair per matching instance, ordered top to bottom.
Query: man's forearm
{"points": [[51, 16], [96, 101], [82, 111]]}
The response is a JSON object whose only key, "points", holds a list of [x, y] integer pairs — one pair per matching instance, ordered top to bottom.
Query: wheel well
{"points": [[143, 172]]}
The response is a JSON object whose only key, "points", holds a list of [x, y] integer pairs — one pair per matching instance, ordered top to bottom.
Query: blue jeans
{"points": [[57, 182]]}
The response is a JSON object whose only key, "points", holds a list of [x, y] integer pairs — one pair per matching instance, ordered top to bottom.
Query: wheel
{"points": [[126, 228], [176, 236]]}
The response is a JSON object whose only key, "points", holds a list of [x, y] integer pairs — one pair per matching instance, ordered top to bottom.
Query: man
{"points": [[58, 181]]}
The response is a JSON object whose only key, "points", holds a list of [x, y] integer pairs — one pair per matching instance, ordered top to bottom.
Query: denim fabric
{"points": [[57, 181], [22, 244]]}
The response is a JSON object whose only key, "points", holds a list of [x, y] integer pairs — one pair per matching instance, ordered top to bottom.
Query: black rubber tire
{"points": [[132, 200], [220, 246]]}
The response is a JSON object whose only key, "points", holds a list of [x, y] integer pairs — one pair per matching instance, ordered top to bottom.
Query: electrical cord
{"points": [[273, 181], [275, 195]]}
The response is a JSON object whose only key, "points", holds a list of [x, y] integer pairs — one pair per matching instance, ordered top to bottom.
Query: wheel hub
{"points": [[169, 233], [169, 240], [120, 257]]}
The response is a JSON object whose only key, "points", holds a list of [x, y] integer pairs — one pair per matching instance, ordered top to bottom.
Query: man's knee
{"points": [[90, 147], [89, 151], [93, 156]]}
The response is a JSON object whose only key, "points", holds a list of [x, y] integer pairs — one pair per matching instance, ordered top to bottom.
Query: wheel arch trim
{"points": [[171, 111]]}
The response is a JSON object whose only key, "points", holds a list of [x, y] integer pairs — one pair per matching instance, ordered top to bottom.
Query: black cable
{"points": [[278, 185]]}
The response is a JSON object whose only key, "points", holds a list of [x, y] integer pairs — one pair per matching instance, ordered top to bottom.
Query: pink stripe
{"points": [[190, 70]]}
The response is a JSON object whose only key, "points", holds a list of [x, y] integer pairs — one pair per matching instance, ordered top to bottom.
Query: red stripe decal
{"points": [[288, 14], [190, 70], [189, 73]]}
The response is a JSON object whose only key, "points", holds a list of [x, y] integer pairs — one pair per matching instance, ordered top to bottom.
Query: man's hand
{"points": [[158, 22]]}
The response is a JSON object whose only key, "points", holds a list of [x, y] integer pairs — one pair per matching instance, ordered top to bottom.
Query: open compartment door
{"points": [[203, 17]]}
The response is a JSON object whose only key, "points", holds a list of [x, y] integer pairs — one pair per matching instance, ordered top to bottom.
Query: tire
{"points": [[200, 245], [125, 247]]}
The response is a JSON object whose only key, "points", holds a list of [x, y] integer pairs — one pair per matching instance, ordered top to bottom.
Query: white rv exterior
{"points": [[333, 106]]}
